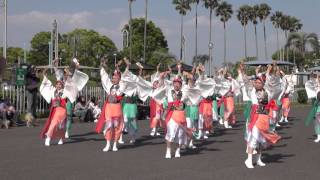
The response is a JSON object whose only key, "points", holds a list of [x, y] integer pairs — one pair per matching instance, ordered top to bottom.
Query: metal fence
{"points": [[17, 96]]}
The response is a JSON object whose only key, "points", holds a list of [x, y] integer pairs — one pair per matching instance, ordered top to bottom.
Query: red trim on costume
{"points": [[63, 102]]}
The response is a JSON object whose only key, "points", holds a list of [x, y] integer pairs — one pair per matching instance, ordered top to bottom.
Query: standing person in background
{"points": [[32, 81]]}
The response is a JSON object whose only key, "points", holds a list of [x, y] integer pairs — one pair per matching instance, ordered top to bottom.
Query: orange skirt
{"points": [[229, 105], [206, 109], [113, 111], [179, 117], [263, 125]]}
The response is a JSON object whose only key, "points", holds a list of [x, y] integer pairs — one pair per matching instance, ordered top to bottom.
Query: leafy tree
{"points": [[155, 41], [39, 52], [13, 54]]}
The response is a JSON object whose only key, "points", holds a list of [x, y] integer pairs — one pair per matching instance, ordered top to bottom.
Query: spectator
{"points": [[32, 89], [93, 105], [82, 111], [8, 114]]}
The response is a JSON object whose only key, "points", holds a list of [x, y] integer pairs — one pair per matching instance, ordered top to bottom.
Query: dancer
{"points": [[289, 81], [229, 88], [313, 91], [156, 107], [206, 108], [111, 119], [176, 125], [55, 126], [259, 135]]}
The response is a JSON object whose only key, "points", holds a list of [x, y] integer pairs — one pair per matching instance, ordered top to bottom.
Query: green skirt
{"points": [[130, 110], [192, 112]]}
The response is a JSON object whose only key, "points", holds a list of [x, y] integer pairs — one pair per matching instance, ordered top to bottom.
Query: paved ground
{"points": [[24, 156]]}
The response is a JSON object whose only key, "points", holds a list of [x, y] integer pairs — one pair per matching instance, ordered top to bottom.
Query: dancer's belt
{"points": [[130, 100]]}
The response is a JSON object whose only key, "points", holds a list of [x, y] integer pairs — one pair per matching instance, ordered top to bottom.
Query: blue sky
{"points": [[27, 17]]}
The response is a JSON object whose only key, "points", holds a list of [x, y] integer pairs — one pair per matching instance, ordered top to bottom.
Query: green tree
{"points": [[182, 6], [225, 12], [263, 13], [243, 17], [155, 40], [300, 41], [88, 45], [91, 46], [39, 52], [13, 54], [162, 56]]}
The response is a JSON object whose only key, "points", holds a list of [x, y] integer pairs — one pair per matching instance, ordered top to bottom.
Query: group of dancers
{"points": [[184, 104]]}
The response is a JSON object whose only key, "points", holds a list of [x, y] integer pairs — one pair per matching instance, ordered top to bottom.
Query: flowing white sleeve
{"points": [[58, 73], [80, 79], [105, 80], [128, 83], [207, 87], [273, 87], [144, 88], [236, 88], [46, 89], [311, 89], [70, 90], [160, 93], [193, 94]]}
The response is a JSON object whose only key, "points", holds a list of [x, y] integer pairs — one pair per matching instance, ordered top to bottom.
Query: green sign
{"points": [[21, 76]]}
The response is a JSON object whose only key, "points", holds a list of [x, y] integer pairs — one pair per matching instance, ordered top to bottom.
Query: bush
{"points": [[302, 97]]}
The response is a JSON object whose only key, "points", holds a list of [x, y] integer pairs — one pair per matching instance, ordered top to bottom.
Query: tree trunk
{"points": [[130, 29], [145, 31], [181, 36], [256, 38], [265, 39], [245, 41], [225, 44], [196, 45], [278, 47], [287, 49]]}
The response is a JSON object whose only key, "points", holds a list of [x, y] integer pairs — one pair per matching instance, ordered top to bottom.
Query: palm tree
{"points": [[211, 5], [182, 6], [225, 12], [263, 13], [243, 17], [254, 19], [276, 21], [294, 24], [130, 28], [196, 30], [301, 41]]}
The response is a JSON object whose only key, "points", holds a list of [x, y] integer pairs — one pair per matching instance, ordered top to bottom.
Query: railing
{"points": [[17, 96]]}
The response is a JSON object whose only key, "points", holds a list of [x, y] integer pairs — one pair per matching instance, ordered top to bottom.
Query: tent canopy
{"points": [[267, 62], [185, 67]]}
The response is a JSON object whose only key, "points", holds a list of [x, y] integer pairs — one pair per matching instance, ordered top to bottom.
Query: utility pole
{"points": [[145, 31]]}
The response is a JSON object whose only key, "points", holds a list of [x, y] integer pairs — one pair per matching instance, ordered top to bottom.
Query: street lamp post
{"points": [[5, 3], [210, 58]]}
